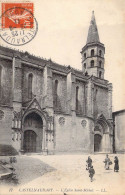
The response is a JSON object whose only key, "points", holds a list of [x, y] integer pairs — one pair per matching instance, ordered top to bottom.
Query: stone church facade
{"points": [[49, 108]]}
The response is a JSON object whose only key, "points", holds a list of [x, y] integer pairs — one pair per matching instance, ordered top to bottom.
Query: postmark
{"points": [[18, 24]]}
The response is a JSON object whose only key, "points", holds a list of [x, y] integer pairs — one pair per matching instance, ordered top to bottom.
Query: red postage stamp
{"points": [[17, 15]]}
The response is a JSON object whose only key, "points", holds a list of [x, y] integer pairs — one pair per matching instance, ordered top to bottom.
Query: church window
{"points": [[92, 52], [100, 53], [84, 55], [92, 63], [100, 64], [84, 65], [100, 74], [30, 80], [55, 92], [77, 101]]}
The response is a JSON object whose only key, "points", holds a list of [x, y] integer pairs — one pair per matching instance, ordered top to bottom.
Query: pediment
{"points": [[34, 105], [101, 117]]}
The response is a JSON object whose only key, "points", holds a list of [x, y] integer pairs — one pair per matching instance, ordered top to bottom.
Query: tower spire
{"points": [[93, 35]]}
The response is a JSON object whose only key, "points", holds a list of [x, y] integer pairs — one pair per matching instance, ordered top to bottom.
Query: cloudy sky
{"points": [[62, 32]]}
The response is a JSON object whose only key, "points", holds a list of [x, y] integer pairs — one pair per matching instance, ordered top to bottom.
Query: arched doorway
{"points": [[33, 133], [30, 141], [97, 142]]}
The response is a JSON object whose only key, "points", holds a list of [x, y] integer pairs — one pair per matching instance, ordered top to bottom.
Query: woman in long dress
{"points": [[107, 162], [116, 166]]}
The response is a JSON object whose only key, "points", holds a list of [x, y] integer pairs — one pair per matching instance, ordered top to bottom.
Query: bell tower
{"points": [[93, 52]]}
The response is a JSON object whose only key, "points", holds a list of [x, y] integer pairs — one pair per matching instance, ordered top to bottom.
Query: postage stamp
{"points": [[18, 24]]}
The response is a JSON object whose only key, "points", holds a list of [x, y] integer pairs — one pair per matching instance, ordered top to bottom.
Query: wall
{"points": [[6, 82], [38, 83], [61, 92], [81, 97], [100, 99], [119, 118], [5, 126], [71, 135]]}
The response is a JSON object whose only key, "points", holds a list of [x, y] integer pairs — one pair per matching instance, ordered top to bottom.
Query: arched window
{"points": [[92, 52], [100, 53], [84, 55], [92, 63], [100, 64], [84, 65], [100, 74], [0, 79], [30, 80], [55, 92], [77, 98]]}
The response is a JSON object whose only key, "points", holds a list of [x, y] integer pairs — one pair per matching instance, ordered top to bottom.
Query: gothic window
{"points": [[92, 52], [100, 53], [84, 55], [92, 63], [100, 64], [84, 65], [100, 74], [30, 80], [56, 92], [77, 99]]}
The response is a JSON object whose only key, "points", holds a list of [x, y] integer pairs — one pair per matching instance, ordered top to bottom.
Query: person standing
{"points": [[89, 162], [107, 162], [116, 166], [91, 173]]}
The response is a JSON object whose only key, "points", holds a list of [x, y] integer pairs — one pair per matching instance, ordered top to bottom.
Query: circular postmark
{"points": [[18, 26]]}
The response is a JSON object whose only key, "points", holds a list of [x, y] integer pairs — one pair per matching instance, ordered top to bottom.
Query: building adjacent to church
{"points": [[48, 107]]}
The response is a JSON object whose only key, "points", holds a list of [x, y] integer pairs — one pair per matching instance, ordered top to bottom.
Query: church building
{"points": [[49, 108]]}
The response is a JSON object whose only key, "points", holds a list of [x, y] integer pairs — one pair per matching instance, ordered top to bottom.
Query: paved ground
{"points": [[67, 174]]}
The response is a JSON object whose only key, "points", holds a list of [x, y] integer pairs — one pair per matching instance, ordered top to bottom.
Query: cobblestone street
{"points": [[68, 174]]}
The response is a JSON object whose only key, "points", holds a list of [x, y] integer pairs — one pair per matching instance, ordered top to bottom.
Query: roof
{"points": [[93, 35], [118, 112]]}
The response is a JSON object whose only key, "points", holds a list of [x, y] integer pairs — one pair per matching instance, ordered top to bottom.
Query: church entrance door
{"points": [[29, 141], [97, 143]]}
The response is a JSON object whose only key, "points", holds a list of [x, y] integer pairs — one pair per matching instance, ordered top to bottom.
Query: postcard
{"points": [[62, 110]]}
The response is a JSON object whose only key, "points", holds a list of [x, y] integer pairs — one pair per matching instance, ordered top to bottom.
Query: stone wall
{"points": [[6, 83], [38, 83], [61, 93], [100, 99], [119, 119], [5, 125], [73, 134]]}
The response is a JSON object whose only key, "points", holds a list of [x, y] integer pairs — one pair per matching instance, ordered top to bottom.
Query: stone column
{"points": [[17, 84], [48, 89], [71, 91], [48, 93], [89, 98], [110, 100]]}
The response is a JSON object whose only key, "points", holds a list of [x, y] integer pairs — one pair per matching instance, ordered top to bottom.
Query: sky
{"points": [[62, 32]]}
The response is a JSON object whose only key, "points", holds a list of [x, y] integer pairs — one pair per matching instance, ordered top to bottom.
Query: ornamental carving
{"points": [[1, 114], [61, 120], [83, 123]]}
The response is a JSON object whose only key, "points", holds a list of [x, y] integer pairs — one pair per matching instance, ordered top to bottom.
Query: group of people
{"points": [[107, 162], [90, 168]]}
